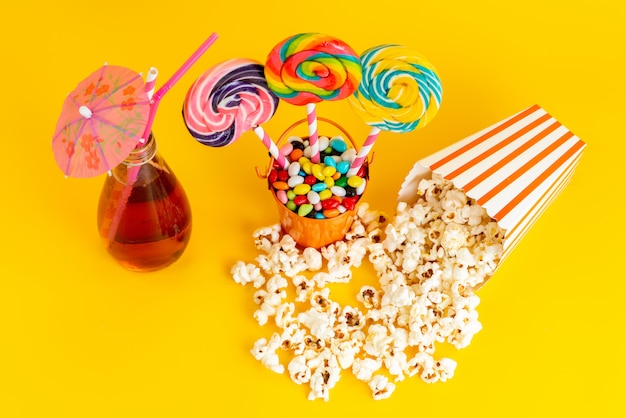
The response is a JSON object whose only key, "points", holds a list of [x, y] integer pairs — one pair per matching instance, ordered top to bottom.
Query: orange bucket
{"points": [[311, 232]]}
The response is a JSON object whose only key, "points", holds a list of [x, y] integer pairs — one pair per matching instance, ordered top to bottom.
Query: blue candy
{"points": [[338, 145], [330, 161], [343, 166], [318, 187]]}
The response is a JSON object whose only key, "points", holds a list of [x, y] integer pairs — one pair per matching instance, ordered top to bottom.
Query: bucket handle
{"points": [[285, 135]]}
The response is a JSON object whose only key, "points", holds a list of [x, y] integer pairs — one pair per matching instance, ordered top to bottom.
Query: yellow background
{"points": [[81, 337]]}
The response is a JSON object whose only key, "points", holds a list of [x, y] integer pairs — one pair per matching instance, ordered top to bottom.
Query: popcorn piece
{"points": [[265, 237], [453, 237], [312, 259], [247, 273], [304, 287], [369, 297], [269, 303], [284, 315], [319, 323], [292, 338], [377, 341], [346, 351], [265, 352], [395, 361], [364, 368], [445, 368], [298, 370], [325, 376], [381, 387]]}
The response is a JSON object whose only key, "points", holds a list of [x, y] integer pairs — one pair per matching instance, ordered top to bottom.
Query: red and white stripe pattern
{"points": [[151, 82], [311, 116], [271, 147], [363, 152], [514, 168]]}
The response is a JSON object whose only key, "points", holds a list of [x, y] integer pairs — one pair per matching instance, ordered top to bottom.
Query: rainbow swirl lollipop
{"points": [[311, 67], [400, 91], [227, 100]]}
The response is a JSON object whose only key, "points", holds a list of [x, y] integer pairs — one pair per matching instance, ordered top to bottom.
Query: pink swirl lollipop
{"points": [[227, 100]]}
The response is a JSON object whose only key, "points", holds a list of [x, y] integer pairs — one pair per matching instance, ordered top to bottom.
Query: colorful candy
{"points": [[311, 67], [227, 100], [325, 192]]}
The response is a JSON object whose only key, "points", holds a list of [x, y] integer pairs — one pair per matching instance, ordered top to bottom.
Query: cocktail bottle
{"points": [[144, 216]]}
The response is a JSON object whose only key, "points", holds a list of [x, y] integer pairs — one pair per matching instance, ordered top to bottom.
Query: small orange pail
{"points": [[311, 232]]}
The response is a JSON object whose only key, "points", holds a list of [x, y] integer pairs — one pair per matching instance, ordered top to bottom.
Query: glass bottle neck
{"points": [[142, 153]]}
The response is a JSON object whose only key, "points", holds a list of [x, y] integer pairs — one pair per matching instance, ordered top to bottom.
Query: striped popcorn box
{"points": [[513, 169]]}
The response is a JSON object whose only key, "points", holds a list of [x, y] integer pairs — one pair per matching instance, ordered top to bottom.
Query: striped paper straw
{"points": [[151, 81], [149, 88], [312, 121], [271, 147], [363, 152], [514, 169]]}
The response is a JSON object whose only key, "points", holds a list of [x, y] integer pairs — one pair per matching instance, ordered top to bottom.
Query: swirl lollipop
{"points": [[310, 67], [400, 91], [229, 99]]}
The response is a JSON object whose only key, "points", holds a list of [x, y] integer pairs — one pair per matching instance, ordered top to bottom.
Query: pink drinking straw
{"points": [[175, 77], [155, 99], [311, 117], [271, 146], [361, 156]]}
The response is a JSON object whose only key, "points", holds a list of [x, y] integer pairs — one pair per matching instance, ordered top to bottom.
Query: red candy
{"points": [[283, 175], [272, 176], [310, 180], [300, 200], [349, 202], [329, 204]]}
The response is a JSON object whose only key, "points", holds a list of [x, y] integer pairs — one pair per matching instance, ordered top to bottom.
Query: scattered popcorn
{"points": [[428, 260]]}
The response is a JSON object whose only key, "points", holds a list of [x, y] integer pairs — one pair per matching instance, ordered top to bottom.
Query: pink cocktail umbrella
{"points": [[101, 121]]}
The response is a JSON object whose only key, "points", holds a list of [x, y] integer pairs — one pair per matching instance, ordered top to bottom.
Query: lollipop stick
{"points": [[312, 121], [271, 147], [363, 152]]}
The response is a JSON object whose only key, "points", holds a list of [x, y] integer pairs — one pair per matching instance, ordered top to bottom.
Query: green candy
{"points": [[341, 181], [305, 209]]}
